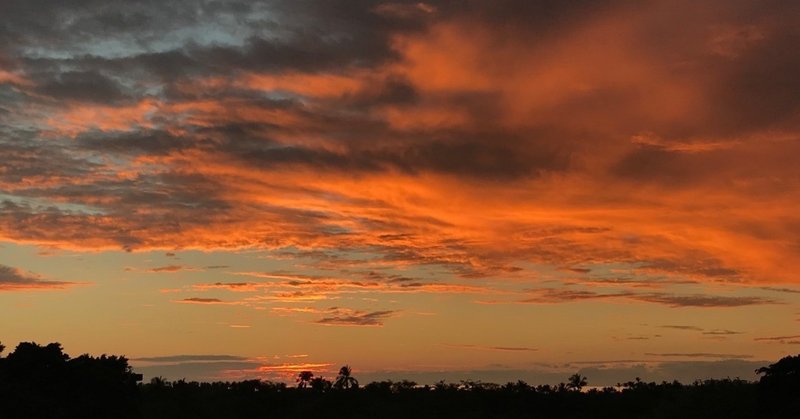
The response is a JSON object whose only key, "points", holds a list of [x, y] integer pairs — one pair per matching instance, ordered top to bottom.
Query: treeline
{"points": [[43, 382]]}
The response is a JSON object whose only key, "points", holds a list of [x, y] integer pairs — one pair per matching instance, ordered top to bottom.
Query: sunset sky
{"points": [[494, 190]]}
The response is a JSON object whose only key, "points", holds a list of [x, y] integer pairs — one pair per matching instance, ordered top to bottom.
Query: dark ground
{"points": [[43, 382]]}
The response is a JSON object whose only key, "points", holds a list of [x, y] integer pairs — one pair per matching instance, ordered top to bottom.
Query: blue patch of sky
{"points": [[219, 29], [42, 205]]}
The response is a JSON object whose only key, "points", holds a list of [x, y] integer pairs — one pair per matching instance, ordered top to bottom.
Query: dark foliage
{"points": [[43, 382], [779, 388]]}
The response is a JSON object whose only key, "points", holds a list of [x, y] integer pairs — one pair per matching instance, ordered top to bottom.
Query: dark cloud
{"points": [[82, 86], [755, 90], [140, 142], [27, 160], [649, 163], [168, 268], [181, 268], [578, 270], [14, 279], [234, 285], [779, 289], [552, 295], [198, 300], [697, 300], [358, 318], [683, 327], [713, 332], [721, 332], [779, 339], [492, 348], [700, 355], [189, 358], [200, 371]]}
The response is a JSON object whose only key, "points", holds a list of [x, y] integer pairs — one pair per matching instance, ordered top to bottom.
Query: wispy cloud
{"points": [[168, 268], [14, 279], [781, 289], [553, 295], [209, 301], [357, 318], [682, 327], [721, 332], [789, 339], [491, 348], [700, 355], [189, 358], [294, 368]]}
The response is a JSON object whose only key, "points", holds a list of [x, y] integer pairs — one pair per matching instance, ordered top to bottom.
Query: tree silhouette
{"points": [[784, 373], [304, 379], [345, 380], [42, 381], [158, 382], [576, 382], [320, 384], [779, 387]]}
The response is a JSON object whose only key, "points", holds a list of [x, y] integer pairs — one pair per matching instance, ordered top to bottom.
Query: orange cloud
{"points": [[12, 78], [500, 158]]}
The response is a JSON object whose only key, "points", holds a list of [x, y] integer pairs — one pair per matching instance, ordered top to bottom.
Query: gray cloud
{"points": [[82, 86], [168, 268], [14, 279], [779, 289], [553, 295], [198, 300], [703, 300], [358, 318], [683, 327], [721, 332], [779, 339], [492, 348], [700, 355], [189, 358], [199, 371]]}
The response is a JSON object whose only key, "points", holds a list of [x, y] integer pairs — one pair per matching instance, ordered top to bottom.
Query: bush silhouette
{"points": [[42, 381], [779, 388]]}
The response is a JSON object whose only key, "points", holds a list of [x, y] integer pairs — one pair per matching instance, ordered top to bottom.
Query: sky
{"points": [[463, 189]]}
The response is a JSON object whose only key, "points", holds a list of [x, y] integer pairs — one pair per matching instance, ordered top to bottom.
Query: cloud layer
{"points": [[491, 140]]}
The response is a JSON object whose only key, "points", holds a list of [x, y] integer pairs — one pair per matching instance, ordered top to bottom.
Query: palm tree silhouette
{"points": [[304, 379], [345, 380], [576, 382]]}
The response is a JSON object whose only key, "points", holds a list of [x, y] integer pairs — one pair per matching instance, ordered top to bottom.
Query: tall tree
{"points": [[304, 379], [345, 379], [576, 382]]}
